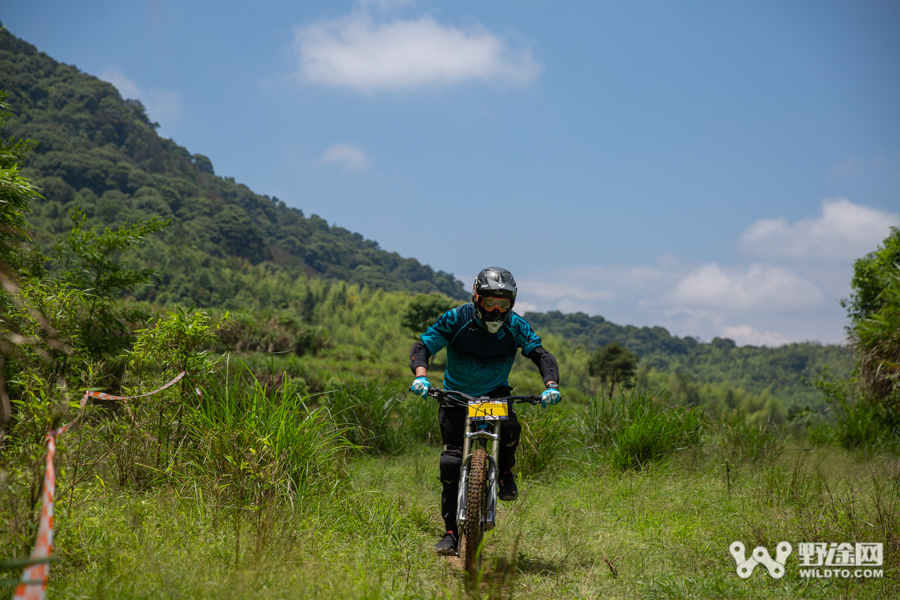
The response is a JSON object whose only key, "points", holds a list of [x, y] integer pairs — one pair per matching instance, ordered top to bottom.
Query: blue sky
{"points": [[711, 167]]}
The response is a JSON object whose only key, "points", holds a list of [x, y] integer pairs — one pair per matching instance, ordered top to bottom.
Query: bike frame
{"points": [[480, 432], [484, 434]]}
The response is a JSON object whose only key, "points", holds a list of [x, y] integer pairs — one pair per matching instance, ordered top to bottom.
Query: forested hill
{"points": [[100, 153], [784, 371]]}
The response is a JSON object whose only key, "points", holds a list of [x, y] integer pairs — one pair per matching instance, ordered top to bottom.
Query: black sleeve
{"points": [[419, 355], [546, 364]]}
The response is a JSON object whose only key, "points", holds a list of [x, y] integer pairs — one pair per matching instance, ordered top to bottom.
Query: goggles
{"points": [[493, 303]]}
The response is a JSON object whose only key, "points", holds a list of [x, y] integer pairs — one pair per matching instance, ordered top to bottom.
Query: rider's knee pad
{"points": [[451, 461]]}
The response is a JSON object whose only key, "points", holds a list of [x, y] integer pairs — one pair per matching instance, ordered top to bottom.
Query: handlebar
{"points": [[454, 398]]}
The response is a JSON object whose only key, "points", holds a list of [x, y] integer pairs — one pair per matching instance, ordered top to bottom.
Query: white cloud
{"points": [[357, 53], [114, 75], [163, 106], [349, 157], [843, 231], [668, 260], [596, 283], [751, 288], [578, 289], [592, 290], [558, 291], [752, 304], [570, 305], [523, 306], [746, 335]]}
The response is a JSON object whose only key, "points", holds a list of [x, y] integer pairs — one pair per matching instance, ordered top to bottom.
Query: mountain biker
{"points": [[481, 340]]}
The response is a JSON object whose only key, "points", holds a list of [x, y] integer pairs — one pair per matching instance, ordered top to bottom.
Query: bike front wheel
{"points": [[473, 532]]}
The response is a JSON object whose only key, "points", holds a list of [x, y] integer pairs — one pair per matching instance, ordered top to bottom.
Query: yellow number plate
{"points": [[493, 410]]}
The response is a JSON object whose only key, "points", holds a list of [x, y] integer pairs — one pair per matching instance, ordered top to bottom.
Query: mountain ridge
{"points": [[100, 153]]}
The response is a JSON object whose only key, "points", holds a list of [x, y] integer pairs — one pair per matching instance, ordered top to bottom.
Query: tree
{"points": [[16, 193], [89, 262], [872, 275], [308, 307], [423, 310], [874, 331], [614, 365]]}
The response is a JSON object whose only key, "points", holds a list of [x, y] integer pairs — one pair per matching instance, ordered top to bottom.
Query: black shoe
{"points": [[508, 489], [447, 544]]}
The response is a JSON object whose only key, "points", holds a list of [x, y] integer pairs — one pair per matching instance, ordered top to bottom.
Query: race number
{"points": [[491, 410]]}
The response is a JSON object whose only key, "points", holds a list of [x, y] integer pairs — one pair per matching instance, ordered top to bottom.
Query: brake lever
{"points": [[445, 399], [532, 400]]}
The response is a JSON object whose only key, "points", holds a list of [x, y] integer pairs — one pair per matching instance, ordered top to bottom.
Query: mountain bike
{"points": [[480, 470]]}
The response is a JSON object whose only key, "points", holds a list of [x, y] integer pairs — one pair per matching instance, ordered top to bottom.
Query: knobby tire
{"points": [[473, 531]]}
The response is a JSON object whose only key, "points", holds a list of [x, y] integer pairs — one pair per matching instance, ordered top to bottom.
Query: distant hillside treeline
{"points": [[100, 153], [784, 372]]}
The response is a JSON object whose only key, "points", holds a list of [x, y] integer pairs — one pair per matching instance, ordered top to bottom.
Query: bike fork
{"points": [[464, 478], [490, 515]]}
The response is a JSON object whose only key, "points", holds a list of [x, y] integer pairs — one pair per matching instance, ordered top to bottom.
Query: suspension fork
{"points": [[479, 436], [463, 486], [490, 515]]}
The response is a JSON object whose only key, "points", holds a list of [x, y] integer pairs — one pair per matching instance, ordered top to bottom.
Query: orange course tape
{"points": [[34, 578]]}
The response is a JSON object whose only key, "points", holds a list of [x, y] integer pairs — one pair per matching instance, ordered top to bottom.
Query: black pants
{"points": [[453, 428]]}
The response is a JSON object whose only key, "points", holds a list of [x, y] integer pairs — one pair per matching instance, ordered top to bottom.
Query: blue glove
{"points": [[421, 386], [550, 396]]}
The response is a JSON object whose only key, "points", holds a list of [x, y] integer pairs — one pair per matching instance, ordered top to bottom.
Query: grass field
{"points": [[580, 529]]}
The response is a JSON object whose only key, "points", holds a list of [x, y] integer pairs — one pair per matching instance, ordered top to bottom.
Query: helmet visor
{"points": [[492, 303]]}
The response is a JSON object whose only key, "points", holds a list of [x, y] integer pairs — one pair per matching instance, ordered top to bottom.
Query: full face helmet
{"points": [[493, 294]]}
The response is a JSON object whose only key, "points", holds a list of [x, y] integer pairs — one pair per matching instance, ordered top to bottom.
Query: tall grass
{"points": [[366, 411], [381, 416], [418, 419], [638, 428], [272, 435], [546, 436], [745, 439], [262, 450], [262, 499], [641, 534]]}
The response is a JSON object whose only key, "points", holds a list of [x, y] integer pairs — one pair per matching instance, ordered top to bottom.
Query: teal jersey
{"points": [[478, 361]]}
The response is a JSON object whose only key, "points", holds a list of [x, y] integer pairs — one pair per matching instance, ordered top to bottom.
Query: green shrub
{"points": [[874, 331], [269, 332], [856, 422], [858, 425]]}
